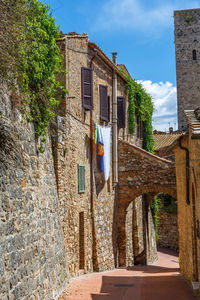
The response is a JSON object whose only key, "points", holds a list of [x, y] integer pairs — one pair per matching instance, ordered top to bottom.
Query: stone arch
{"points": [[140, 172], [145, 190]]}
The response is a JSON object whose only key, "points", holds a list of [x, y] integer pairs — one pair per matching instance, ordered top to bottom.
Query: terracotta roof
{"points": [[94, 46], [106, 59], [124, 68], [193, 123], [165, 139]]}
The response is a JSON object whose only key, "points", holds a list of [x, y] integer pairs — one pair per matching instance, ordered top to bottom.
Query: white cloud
{"points": [[133, 15], [165, 102]]}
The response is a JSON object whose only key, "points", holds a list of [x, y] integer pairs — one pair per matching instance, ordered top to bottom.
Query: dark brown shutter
{"points": [[87, 88], [104, 106], [121, 113], [139, 127]]}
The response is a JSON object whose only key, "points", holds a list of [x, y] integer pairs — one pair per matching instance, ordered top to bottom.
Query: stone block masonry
{"points": [[187, 43], [74, 136], [140, 174], [167, 230], [32, 251]]}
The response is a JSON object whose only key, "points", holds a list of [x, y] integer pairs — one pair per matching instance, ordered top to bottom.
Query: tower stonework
{"points": [[187, 45]]}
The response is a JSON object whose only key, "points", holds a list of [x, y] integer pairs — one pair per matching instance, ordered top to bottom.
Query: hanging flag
{"points": [[100, 147]]}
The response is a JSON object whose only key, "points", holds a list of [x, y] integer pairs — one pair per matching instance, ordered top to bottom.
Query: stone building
{"points": [[187, 42], [162, 142], [187, 157], [88, 216]]}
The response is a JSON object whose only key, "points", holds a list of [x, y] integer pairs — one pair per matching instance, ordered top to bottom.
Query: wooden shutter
{"points": [[87, 88], [104, 103], [121, 113], [139, 127], [81, 178]]}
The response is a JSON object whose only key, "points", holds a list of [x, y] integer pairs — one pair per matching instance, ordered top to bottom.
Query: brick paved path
{"points": [[160, 281]]}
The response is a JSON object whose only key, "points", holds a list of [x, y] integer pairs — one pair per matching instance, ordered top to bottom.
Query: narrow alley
{"points": [[161, 280]]}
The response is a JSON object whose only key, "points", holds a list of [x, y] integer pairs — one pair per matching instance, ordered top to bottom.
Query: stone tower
{"points": [[187, 44]]}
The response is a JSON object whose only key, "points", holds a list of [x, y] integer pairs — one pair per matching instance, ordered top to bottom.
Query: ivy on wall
{"points": [[37, 61], [140, 102], [155, 208]]}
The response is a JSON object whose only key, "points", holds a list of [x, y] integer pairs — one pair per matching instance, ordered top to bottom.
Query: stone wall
{"points": [[187, 33], [140, 173], [167, 230], [139, 232], [129, 236], [152, 254], [33, 264]]}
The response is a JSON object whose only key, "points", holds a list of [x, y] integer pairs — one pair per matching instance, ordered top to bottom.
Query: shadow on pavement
{"points": [[153, 269], [144, 288]]}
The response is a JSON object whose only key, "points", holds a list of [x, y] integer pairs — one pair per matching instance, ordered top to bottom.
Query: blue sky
{"points": [[142, 32]]}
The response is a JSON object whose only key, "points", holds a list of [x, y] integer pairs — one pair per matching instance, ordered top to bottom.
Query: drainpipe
{"points": [[114, 115], [187, 172]]}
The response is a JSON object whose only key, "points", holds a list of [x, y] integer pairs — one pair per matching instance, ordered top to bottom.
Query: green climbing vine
{"points": [[37, 62], [131, 87], [140, 102], [155, 207]]}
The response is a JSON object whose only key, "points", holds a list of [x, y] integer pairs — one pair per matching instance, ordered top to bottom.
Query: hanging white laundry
{"points": [[106, 132]]}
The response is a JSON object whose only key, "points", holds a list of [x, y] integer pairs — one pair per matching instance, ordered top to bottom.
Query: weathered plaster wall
{"points": [[187, 33], [194, 146], [185, 216], [168, 230], [33, 264]]}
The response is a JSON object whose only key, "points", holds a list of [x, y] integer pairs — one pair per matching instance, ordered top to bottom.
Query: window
{"points": [[194, 55], [87, 88], [104, 103], [121, 112], [139, 127], [81, 178]]}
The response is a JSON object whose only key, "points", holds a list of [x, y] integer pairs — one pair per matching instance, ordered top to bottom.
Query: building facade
{"points": [[187, 42], [97, 93], [187, 157]]}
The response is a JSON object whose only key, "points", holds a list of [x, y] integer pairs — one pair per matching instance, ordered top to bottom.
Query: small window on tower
{"points": [[194, 55]]}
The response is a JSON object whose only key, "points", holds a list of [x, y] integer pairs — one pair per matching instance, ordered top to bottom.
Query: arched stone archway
{"points": [[140, 172]]}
